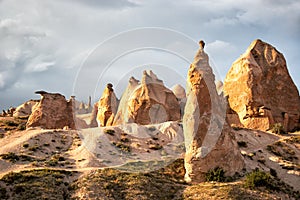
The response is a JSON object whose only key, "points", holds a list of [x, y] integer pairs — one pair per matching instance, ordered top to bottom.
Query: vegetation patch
{"points": [[13, 124], [152, 128], [237, 128], [278, 129], [109, 131], [293, 140], [242, 144], [155, 146], [122, 147], [33, 148], [283, 151], [12, 157], [55, 160], [217, 174], [257, 179], [261, 179], [36, 184], [114, 184]]}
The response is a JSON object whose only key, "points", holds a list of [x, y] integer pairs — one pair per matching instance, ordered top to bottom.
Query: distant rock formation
{"points": [[260, 89], [180, 94], [147, 103], [107, 107], [82, 108], [25, 109], [52, 112], [8, 113], [122, 115], [93, 119], [209, 141]]}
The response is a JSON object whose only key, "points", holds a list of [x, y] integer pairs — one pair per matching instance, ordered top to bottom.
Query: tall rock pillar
{"points": [[208, 139]]}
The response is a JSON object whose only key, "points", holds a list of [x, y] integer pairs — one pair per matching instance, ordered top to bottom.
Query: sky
{"points": [[75, 47]]}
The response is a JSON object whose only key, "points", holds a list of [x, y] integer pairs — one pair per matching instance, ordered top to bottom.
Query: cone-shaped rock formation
{"points": [[260, 89], [148, 102], [107, 107], [208, 139]]}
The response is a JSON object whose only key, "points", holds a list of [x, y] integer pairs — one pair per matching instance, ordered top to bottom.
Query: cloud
{"points": [[104, 4], [43, 41], [219, 46], [39, 67], [2, 81]]}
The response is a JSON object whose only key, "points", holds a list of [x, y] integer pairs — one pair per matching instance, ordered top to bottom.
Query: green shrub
{"points": [[11, 123], [22, 127], [152, 128], [237, 128], [277, 128], [109, 131], [124, 139], [293, 140], [242, 144], [25, 145], [155, 146], [122, 147], [33, 148], [12, 157], [52, 162], [273, 172], [217, 174], [257, 179], [36, 184], [3, 193]]}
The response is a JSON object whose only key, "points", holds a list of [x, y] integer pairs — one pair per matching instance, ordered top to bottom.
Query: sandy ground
{"points": [[136, 148]]}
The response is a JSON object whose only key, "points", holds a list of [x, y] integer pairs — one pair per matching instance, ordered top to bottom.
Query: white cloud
{"points": [[52, 37], [219, 46], [39, 67]]}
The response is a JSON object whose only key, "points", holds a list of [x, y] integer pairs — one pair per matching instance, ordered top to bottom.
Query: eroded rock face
{"points": [[261, 90], [147, 103], [107, 107], [25, 109], [52, 112], [122, 113], [209, 140]]}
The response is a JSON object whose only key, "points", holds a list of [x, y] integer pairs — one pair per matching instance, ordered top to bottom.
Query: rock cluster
{"points": [[260, 89], [148, 102], [82, 108], [25, 109], [51, 112], [209, 142]]}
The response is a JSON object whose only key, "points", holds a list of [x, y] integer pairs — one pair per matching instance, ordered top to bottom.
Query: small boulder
{"points": [[25, 109]]}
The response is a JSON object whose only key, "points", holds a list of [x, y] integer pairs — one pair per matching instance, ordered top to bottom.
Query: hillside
{"points": [[54, 164]]}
